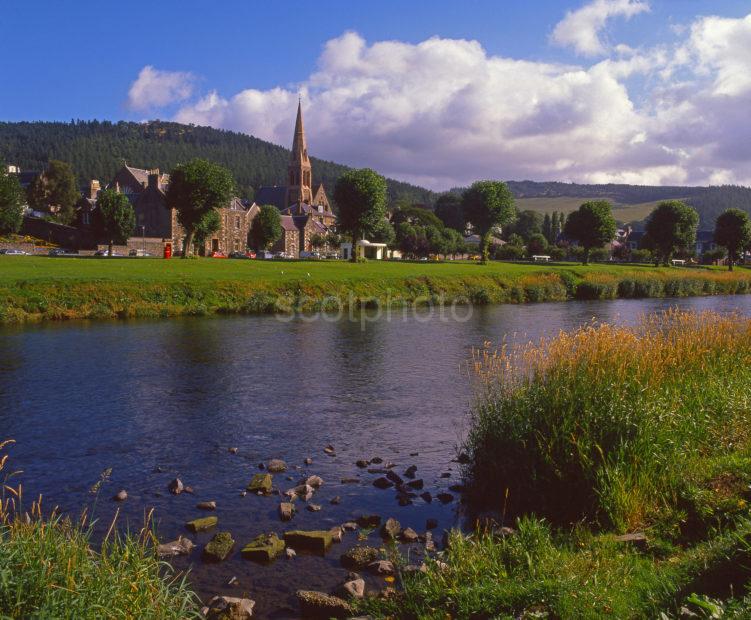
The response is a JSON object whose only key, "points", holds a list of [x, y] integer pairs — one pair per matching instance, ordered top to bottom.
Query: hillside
{"points": [[97, 149]]}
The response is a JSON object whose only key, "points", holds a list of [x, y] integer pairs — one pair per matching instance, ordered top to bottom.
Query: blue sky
{"points": [[80, 59]]}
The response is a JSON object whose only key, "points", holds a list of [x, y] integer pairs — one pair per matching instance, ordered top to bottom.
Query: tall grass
{"points": [[610, 423], [51, 568]]}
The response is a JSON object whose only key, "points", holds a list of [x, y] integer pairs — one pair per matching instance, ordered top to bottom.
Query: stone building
{"points": [[305, 211]]}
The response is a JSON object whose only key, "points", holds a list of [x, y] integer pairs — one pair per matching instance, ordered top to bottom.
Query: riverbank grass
{"points": [[42, 288], [582, 438]]}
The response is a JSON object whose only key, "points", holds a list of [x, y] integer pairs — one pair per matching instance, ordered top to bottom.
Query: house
{"points": [[704, 242], [365, 249]]}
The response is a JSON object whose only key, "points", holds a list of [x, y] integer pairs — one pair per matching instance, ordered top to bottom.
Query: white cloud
{"points": [[581, 29], [154, 89], [444, 112]]}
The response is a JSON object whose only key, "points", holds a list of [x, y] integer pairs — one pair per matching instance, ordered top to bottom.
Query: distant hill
{"points": [[96, 149]]}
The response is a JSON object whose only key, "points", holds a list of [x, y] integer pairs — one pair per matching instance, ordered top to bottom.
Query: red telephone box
{"points": [[167, 250]]}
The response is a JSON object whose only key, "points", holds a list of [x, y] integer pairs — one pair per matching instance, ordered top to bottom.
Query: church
{"points": [[305, 211]]}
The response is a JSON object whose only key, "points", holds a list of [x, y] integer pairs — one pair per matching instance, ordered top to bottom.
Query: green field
{"points": [[621, 212], [41, 288]]}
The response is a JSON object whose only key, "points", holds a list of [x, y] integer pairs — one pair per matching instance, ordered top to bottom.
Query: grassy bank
{"points": [[40, 288], [599, 433], [50, 568]]}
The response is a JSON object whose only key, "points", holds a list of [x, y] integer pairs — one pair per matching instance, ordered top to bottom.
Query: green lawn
{"points": [[41, 288]]}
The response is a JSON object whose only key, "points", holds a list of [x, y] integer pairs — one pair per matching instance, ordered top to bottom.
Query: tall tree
{"points": [[195, 189], [55, 190], [361, 197], [11, 202], [488, 205], [448, 208], [115, 219], [527, 223], [592, 225], [207, 226], [547, 227], [555, 227], [671, 227], [266, 228], [733, 232]]}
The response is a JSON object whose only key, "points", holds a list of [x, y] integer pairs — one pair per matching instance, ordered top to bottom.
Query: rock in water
{"points": [[232, 450], [329, 450], [376, 460], [308, 461], [362, 463], [276, 466], [410, 471], [394, 477], [314, 481], [261, 483], [382, 483], [415, 484], [176, 486], [303, 491], [120, 496], [427, 497], [445, 498], [335, 500], [206, 505], [313, 507], [286, 511], [368, 520], [431, 524], [201, 525], [349, 526], [390, 530], [409, 536], [312, 540], [181, 546], [219, 547], [263, 548], [291, 553], [359, 556], [381, 567], [354, 588], [319, 605], [229, 608]]}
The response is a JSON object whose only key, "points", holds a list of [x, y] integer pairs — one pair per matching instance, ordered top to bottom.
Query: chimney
{"points": [[154, 178], [94, 187]]}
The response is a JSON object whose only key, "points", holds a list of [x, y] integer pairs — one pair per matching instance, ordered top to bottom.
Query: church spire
{"points": [[300, 173]]}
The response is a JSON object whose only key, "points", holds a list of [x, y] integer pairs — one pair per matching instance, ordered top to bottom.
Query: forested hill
{"points": [[96, 149]]}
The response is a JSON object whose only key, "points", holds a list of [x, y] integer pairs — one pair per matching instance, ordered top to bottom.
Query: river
{"points": [[157, 399]]}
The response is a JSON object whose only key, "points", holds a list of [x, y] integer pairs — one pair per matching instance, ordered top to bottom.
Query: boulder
{"points": [[232, 450], [330, 450], [376, 460], [308, 461], [362, 463], [276, 466], [410, 471], [446, 474], [394, 477], [350, 480], [314, 481], [261, 483], [382, 483], [415, 484], [176, 486], [457, 488], [187, 489], [303, 491], [120, 496], [427, 497], [445, 498], [403, 499], [335, 500], [206, 505], [313, 507], [286, 511], [368, 520], [431, 524], [201, 525], [349, 526], [390, 530], [336, 534], [409, 536], [312, 540], [181, 546], [219, 547], [263, 548], [291, 553], [359, 557], [381, 567], [353, 588], [320, 605], [229, 608]]}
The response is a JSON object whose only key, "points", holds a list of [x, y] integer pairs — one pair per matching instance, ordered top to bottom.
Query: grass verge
{"points": [[582, 438]]}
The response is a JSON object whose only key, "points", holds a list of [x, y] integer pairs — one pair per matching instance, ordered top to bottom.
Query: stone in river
{"points": [[232, 450], [330, 450], [414, 453], [463, 458], [377, 460], [308, 461], [362, 463], [276, 466], [410, 471], [446, 474], [394, 477], [350, 480], [314, 481], [261, 483], [382, 483], [415, 484], [176, 486], [457, 488], [303, 491], [120, 496], [427, 496], [445, 498], [403, 499], [335, 500], [206, 505], [313, 507], [286, 510], [368, 520], [431, 524], [201, 525], [349, 526], [390, 530], [336, 534], [409, 536], [311, 540], [181, 546], [219, 547], [263, 548], [291, 553], [359, 556], [381, 567], [353, 588], [320, 605], [229, 608]]}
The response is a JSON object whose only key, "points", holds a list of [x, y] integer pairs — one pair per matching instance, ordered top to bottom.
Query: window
{"points": [[237, 222]]}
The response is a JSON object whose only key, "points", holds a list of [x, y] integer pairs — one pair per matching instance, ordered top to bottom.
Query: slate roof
{"points": [[272, 195]]}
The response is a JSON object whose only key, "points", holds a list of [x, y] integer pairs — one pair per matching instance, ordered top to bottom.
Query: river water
{"points": [[155, 400]]}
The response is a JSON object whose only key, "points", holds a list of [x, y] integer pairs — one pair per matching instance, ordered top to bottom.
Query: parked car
{"points": [[13, 252], [61, 252], [136, 252], [106, 253], [238, 254], [250, 254], [264, 254], [218, 255], [282, 255], [310, 255], [333, 255]]}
